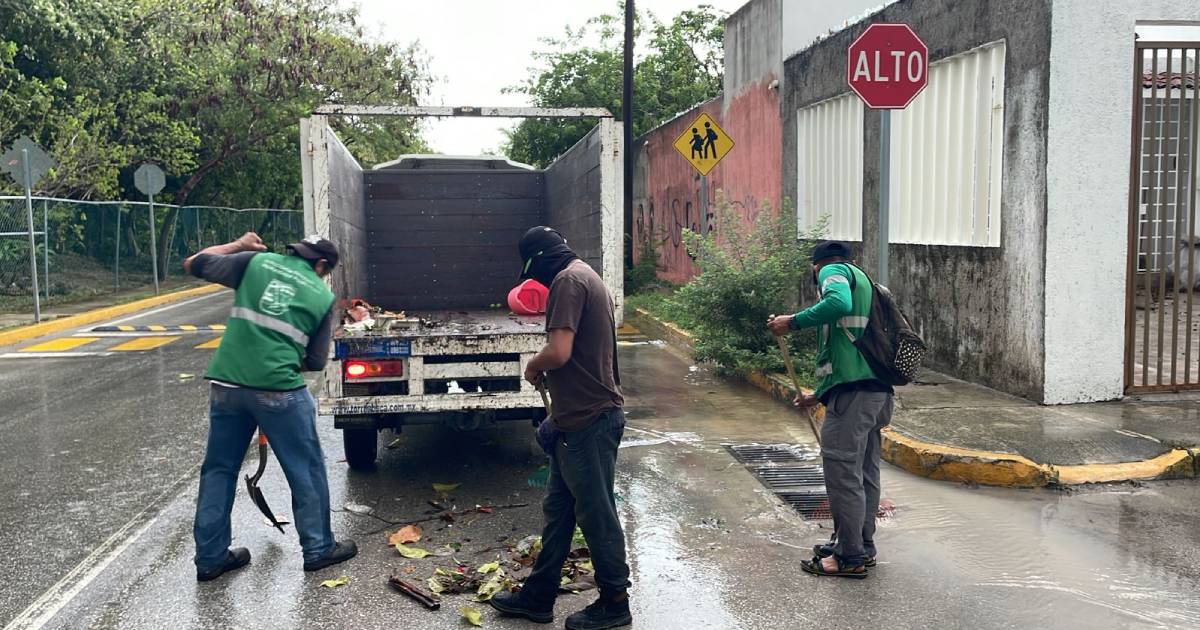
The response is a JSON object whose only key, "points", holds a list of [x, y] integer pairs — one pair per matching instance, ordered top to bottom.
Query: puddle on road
{"points": [[1108, 559]]}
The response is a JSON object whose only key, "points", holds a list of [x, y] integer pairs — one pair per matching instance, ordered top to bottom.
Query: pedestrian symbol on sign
{"points": [[704, 143]]}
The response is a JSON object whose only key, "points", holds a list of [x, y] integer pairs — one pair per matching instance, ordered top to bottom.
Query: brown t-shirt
{"points": [[587, 384]]}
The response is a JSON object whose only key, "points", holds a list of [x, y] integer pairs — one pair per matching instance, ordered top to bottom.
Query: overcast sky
{"points": [[478, 47]]}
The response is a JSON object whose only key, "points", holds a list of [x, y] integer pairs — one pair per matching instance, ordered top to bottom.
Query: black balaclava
{"points": [[544, 253]]}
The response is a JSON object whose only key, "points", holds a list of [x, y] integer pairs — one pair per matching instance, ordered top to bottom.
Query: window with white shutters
{"points": [[947, 151], [829, 165]]}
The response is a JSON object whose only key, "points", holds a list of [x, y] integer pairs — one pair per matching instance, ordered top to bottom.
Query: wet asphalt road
{"points": [[100, 457]]}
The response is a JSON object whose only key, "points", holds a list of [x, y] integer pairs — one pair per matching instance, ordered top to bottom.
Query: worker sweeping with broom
{"points": [[280, 325], [858, 404]]}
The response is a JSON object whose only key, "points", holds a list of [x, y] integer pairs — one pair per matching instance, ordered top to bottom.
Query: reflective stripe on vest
{"points": [[270, 323]]}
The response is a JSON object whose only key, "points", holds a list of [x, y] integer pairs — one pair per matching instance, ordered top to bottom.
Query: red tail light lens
{"points": [[372, 369]]}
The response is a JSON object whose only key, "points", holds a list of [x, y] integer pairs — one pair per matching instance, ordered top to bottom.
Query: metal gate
{"points": [[1162, 325]]}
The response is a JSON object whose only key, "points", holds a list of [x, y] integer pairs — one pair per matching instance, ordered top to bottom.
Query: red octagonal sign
{"points": [[887, 66]]}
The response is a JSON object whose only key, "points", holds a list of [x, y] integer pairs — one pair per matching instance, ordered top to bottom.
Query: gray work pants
{"points": [[850, 457]]}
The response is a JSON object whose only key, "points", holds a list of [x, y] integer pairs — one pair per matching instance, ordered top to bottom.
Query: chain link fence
{"points": [[89, 249]]}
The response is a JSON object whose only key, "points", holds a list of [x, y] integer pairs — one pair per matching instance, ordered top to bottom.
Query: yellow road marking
{"points": [[187, 327], [217, 327], [127, 328], [156, 328], [144, 343], [59, 345], [209, 345]]}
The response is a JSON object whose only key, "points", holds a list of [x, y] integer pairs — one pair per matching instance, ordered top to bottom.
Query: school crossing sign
{"points": [[704, 144]]}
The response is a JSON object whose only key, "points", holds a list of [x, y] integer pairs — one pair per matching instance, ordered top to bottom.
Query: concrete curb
{"points": [[101, 314], [950, 463]]}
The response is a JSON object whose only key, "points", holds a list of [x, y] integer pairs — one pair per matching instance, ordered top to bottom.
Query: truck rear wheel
{"points": [[362, 446]]}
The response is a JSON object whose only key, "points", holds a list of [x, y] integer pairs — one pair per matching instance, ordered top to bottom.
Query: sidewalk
{"points": [[950, 430]]}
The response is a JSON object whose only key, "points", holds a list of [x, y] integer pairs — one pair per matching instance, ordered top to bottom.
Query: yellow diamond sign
{"points": [[704, 143]]}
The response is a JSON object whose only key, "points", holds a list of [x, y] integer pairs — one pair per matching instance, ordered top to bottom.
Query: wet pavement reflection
{"points": [[710, 547]]}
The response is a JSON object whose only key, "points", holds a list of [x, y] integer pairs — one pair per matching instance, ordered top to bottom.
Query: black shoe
{"points": [[341, 552], [234, 560], [518, 605], [602, 614]]}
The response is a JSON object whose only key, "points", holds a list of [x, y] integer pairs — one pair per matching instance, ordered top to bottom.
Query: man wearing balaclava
{"points": [[579, 364]]}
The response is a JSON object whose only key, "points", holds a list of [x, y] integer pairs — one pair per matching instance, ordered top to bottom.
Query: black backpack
{"points": [[888, 343]]}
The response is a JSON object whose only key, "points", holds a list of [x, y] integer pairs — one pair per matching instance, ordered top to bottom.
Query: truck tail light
{"points": [[372, 369]]}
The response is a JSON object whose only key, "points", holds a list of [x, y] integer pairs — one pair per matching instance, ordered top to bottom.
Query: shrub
{"points": [[747, 273], [643, 275]]}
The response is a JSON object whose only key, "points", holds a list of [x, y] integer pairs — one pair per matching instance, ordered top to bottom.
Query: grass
{"points": [[78, 279]]}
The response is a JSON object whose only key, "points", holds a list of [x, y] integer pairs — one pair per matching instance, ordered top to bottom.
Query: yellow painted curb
{"points": [[100, 314], [666, 330], [949, 463], [1175, 464]]}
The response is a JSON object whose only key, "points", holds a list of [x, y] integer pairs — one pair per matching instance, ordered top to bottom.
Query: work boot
{"points": [[341, 552], [234, 560], [522, 605], [606, 612]]}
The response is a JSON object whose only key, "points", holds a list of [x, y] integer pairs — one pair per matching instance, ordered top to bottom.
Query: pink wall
{"points": [[667, 188]]}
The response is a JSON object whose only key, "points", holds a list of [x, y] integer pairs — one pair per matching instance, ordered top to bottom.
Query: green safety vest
{"points": [[279, 303], [838, 361]]}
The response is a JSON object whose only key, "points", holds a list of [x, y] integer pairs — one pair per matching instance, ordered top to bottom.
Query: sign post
{"points": [[887, 66], [703, 144], [26, 162], [149, 179]]}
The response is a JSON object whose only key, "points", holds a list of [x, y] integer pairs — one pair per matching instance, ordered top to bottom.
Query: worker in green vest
{"points": [[280, 324], [857, 406]]}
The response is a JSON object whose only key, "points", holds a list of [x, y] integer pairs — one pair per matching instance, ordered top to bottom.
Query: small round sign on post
{"points": [[887, 66], [149, 179]]}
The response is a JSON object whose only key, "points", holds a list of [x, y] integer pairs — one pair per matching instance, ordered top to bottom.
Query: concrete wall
{"points": [[804, 21], [753, 36], [1090, 110], [583, 202], [980, 309]]}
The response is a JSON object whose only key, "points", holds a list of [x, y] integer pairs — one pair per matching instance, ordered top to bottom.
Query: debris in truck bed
{"points": [[361, 318]]}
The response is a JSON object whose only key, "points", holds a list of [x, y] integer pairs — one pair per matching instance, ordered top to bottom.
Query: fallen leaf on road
{"points": [[186, 377], [443, 488], [407, 534], [411, 552], [489, 567], [408, 570], [342, 581], [435, 585], [491, 587], [473, 617]]}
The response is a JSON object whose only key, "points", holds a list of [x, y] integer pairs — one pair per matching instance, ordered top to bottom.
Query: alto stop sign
{"points": [[887, 66]]}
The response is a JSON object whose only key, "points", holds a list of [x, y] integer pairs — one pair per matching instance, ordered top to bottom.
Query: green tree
{"points": [[680, 65], [211, 90]]}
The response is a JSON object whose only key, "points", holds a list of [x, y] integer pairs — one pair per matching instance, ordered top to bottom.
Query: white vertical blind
{"points": [[947, 153], [829, 166]]}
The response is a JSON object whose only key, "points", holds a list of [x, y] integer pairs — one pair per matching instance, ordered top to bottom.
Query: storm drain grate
{"points": [[769, 453], [791, 471], [784, 477], [812, 505]]}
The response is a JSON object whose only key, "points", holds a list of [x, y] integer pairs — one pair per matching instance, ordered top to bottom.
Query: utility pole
{"points": [[627, 128]]}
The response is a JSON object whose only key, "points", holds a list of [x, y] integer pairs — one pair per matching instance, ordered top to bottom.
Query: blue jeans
{"points": [[288, 419], [580, 491]]}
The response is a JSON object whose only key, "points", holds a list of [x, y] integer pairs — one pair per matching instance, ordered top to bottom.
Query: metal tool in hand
{"points": [[787, 360], [252, 485]]}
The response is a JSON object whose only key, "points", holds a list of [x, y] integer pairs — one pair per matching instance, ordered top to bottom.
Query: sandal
{"points": [[824, 551], [816, 567]]}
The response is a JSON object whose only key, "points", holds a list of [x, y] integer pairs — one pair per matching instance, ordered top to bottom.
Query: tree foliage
{"points": [[680, 65], [211, 90]]}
